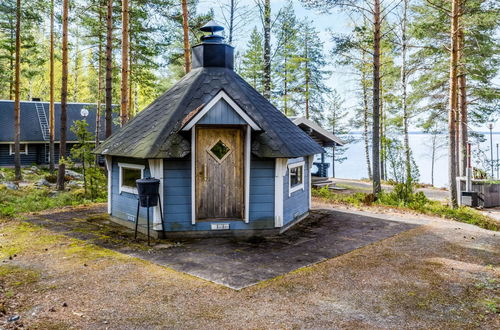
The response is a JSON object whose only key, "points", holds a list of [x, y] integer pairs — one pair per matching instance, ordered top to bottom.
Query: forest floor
{"points": [[441, 274]]}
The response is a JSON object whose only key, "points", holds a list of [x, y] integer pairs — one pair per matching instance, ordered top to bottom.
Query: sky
{"points": [[336, 21]]}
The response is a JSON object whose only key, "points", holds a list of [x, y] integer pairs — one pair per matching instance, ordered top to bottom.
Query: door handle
{"points": [[204, 172]]}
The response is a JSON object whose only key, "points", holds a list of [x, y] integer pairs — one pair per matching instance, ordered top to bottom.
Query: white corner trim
{"points": [[210, 105], [12, 151], [109, 166], [156, 169], [247, 173], [279, 173], [193, 176], [309, 184], [299, 186], [132, 190]]}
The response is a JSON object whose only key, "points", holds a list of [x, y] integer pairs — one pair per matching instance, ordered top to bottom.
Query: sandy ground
{"points": [[363, 186], [442, 274]]}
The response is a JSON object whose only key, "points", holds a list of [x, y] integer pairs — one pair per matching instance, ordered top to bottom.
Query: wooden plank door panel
{"points": [[219, 173]]}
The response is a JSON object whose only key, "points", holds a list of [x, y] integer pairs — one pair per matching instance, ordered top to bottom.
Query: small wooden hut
{"points": [[227, 159]]}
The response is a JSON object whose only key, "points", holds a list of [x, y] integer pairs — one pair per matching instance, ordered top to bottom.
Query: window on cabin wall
{"points": [[23, 149], [129, 173], [296, 177]]}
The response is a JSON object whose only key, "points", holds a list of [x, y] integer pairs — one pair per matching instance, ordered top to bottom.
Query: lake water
{"points": [[354, 167]]}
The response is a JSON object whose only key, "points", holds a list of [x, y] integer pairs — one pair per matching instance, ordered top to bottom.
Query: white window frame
{"points": [[12, 151], [299, 186], [121, 187]]}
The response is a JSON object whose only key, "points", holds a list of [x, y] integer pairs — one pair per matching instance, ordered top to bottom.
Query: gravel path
{"points": [[442, 274]]}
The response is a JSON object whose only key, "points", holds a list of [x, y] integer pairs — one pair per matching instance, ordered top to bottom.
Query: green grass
{"points": [[29, 199], [35, 199], [418, 203]]}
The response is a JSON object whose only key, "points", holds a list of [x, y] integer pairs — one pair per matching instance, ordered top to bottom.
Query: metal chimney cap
{"points": [[212, 26]]}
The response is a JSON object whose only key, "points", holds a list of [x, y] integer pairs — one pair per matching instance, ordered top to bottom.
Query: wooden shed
{"points": [[228, 161]]}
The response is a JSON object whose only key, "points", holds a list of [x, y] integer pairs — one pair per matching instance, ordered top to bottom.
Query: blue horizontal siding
{"points": [[35, 156], [177, 190], [298, 203], [125, 204]]}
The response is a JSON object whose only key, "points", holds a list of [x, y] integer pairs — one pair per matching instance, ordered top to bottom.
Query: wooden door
{"points": [[219, 173]]}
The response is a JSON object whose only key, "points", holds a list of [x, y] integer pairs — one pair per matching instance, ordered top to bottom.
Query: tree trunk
{"points": [[231, 22], [185, 28], [267, 49], [12, 65], [77, 68], [125, 68], [109, 69], [307, 74], [99, 81], [404, 86], [285, 89], [64, 97], [376, 99], [17, 105], [452, 114], [52, 116], [365, 119], [463, 120], [383, 155], [433, 158]]}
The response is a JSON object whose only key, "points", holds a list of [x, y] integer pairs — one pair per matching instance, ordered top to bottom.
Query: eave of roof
{"points": [[156, 131], [319, 131]]}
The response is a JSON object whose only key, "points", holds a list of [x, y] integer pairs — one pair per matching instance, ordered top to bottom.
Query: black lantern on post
{"points": [[149, 196]]}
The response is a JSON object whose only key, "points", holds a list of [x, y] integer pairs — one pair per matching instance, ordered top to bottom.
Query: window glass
{"points": [[22, 148], [129, 175], [296, 176]]}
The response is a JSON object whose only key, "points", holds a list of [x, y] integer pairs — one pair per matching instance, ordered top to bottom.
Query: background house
{"points": [[35, 130]]}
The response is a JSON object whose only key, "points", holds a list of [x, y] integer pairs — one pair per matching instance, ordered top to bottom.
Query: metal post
{"points": [[490, 126], [498, 164], [468, 173], [147, 201], [161, 214], [137, 217]]}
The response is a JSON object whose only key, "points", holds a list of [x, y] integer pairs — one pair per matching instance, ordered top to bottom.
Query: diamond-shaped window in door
{"points": [[219, 151]]}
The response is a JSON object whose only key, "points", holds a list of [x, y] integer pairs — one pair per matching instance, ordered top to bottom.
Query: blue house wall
{"points": [[221, 114], [36, 154], [177, 197], [124, 204], [296, 204]]}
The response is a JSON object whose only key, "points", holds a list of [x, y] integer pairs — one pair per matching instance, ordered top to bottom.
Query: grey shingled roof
{"points": [[30, 125], [155, 131]]}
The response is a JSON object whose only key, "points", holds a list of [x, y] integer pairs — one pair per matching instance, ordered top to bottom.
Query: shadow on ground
{"points": [[235, 263]]}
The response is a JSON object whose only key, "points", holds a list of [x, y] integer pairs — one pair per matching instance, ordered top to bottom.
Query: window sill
{"points": [[295, 189], [129, 190]]}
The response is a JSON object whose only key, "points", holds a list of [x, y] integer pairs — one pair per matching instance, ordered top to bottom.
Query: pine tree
{"points": [[287, 61], [252, 67], [313, 74], [64, 97], [17, 106]]}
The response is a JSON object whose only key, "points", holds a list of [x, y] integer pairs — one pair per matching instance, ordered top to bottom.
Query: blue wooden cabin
{"points": [[34, 139], [227, 159]]}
